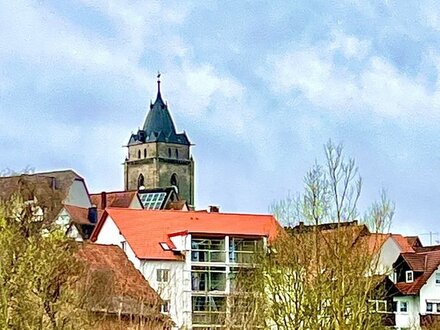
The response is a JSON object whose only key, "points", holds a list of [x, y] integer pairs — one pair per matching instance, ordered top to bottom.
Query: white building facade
{"points": [[196, 284]]}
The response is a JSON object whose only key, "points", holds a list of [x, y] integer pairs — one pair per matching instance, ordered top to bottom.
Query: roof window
{"points": [[165, 246], [409, 276]]}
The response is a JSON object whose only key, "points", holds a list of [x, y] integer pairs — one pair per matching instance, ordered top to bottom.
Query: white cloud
{"points": [[350, 46], [374, 84]]}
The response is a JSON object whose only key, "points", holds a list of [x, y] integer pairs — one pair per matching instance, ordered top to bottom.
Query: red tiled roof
{"points": [[114, 199], [78, 214], [145, 229], [376, 240], [414, 241], [403, 243], [425, 262], [127, 280]]}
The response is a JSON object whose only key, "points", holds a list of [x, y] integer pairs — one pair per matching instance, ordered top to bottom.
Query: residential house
{"points": [[63, 195], [189, 258], [417, 280]]}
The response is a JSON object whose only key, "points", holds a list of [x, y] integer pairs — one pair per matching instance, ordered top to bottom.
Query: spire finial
{"points": [[158, 82]]}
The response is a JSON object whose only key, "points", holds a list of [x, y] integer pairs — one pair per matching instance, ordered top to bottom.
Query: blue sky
{"points": [[259, 87]]}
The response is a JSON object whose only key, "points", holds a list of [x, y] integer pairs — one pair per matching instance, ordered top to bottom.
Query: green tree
{"points": [[39, 271]]}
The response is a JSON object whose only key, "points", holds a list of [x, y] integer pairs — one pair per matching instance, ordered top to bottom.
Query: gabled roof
{"points": [[57, 180], [50, 189], [113, 199], [79, 215], [80, 219], [145, 229], [376, 241], [414, 241], [421, 262], [128, 286]]}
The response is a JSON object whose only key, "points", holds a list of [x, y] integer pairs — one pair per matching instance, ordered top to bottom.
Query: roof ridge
{"points": [[113, 192], [197, 212]]}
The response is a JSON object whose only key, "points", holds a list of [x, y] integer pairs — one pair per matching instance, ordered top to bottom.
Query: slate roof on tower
{"points": [[159, 126]]}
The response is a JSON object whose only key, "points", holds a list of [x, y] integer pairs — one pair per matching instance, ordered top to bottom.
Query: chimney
{"points": [[103, 200], [214, 209], [93, 214]]}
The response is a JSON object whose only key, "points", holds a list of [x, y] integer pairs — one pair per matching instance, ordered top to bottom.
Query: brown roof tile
{"points": [[113, 199], [78, 214], [424, 262], [127, 280]]}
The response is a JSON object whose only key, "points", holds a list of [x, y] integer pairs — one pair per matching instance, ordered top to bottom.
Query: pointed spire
{"points": [[159, 96]]}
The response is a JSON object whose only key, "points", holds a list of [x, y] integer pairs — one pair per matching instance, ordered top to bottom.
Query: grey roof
{"points": [[159, 126]]}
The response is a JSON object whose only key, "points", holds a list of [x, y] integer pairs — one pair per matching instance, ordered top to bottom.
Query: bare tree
{"points": [[320, 274]]}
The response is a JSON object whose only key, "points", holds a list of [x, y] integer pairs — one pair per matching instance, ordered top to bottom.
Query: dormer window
{"points": [[409, 276], [437, 278]]}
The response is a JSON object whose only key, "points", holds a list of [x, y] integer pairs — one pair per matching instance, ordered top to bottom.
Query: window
{"points": [[169, 152], [145, 153], [139, 154], [177, 154], [173, 180], [140, 181], [152, 201], [123, 245], [165, 246], [208, 250], [244, 250], [163, 275], [409, 276], [393, 277], [208, 278], [437, 278], [379, 306], [165, 307], [404, 307], [429, 308], [208, 310]]}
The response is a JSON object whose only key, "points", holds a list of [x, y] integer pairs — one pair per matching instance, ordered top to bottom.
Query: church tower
{"points": [[159, 157]]}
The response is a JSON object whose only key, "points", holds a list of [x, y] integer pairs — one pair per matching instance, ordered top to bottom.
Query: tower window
{"points": [[169, 152], [145, 153], [139, 154], [177, 154], [140, 180], [173, 180]]}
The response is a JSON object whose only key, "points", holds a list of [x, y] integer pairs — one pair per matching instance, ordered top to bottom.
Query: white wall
{"points": [[77, 195], [65, 222], [388, 254], [177, 290], [430, 291], [410, 319]]}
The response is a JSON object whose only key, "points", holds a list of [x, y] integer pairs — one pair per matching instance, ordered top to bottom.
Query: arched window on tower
{"points": [[169, 152], [145, 153], [139, 154], [177, 154], [173, 180], [141, 182]]}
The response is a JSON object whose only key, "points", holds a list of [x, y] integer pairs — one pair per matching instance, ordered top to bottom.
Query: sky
{"points": [[258, 86]]}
